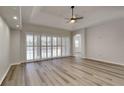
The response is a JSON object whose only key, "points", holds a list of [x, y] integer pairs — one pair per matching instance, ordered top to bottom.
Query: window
{"points": [[29, 40], [77, 45], [54, 46], [59, 46], [63, 46], [36, 47], [43, 47], [49, 47], [29, 53]]}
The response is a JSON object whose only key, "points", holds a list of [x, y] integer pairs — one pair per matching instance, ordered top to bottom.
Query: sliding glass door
{"points": [[43, 46]]}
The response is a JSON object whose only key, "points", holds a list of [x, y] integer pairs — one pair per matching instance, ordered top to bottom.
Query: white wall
{"points": [[82, 33], [105, 42], [15, 46], [4, 48]]}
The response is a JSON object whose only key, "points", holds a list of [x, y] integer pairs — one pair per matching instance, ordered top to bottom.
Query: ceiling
{"points": [[8, 13], [54, 16]]}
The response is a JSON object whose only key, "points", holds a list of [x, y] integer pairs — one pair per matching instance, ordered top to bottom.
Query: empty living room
{"points": [[61, 45]]}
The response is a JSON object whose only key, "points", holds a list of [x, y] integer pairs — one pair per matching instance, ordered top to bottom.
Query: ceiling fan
{"points": [[73, 18]]}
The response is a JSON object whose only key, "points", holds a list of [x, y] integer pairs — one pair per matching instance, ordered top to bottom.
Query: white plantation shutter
{"points": [[40, 46]]}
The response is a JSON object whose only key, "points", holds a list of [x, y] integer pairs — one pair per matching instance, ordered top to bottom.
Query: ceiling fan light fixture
{"points": [[72, 21]]}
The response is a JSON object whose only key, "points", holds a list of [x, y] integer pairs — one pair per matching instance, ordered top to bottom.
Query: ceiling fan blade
{"points": [[78, 18]]}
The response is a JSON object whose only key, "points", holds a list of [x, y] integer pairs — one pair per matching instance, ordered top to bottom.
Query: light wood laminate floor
{"points": [[65, 72]]}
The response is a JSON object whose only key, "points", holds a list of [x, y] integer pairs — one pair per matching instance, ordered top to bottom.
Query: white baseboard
{"points": [[105, 61], [7, 72]]}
